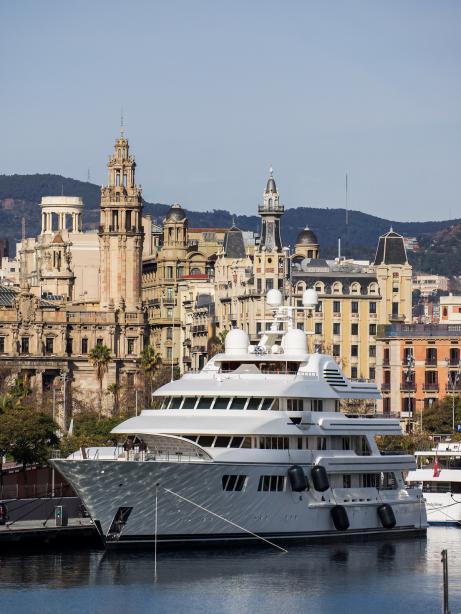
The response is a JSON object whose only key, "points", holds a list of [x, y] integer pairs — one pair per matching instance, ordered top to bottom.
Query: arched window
{"points": [[195, 271], [337, 287], [355, 288]]}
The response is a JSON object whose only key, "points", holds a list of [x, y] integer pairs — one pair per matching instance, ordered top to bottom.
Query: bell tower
{"points": [[271, 212], [120, 231]]}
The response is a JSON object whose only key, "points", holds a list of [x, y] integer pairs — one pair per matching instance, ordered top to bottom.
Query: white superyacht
{"points": [[253, 446]]}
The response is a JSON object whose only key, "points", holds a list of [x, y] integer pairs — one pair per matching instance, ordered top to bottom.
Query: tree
{"points": [[216, 344], [100, 357], [150, 364], [114, 390], [438, 417], [27, 436]]}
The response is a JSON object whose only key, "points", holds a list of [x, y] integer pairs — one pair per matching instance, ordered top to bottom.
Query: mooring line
{"points": [[225, 519]]}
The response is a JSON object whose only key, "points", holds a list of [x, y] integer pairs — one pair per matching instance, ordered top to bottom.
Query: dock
{"points": [[78, 532]]}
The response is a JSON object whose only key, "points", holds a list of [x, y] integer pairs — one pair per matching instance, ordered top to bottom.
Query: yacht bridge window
{"points": [[276, 367], [232, 403]]}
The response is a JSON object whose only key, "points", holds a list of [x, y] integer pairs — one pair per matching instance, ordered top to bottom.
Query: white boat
{"points": [[251, 447], [438, 472]]}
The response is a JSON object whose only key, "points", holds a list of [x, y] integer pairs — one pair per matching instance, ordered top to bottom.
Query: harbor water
{"points": [[401, 575]]}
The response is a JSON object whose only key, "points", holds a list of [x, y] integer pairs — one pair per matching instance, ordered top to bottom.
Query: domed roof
{"points": [[270, 186], [176, 213], [307, 237]]}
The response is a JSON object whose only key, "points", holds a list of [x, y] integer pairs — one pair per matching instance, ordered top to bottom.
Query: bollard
{"points": [[444, 561]]}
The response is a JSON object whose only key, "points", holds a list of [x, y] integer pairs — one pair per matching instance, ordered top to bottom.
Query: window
{"points": [[128, 221], [169, 272], [269, 284], [169, 294], [336, 306], [318, 307], [355, 307], [372, 307], [395, 308], [318, 328], [336, 328], [354, 329], [372, 329], [169, 333], [99, 341], [49, 343], [2, 345], [24, 345], [69, 345], [84, 345], [130, 346], [336, 350], [354, 350], [372, 351], [169, 353], [407, 355], [431, 356], [354, 372], [372, 373], [130, 380], [175, 402], [189, 403], [204, 403], [221, 403], [238, 403], [254, 403], [267, 403], [295, 404], [316, 405], [206, 440], [222, 442], [236, 442], [273, 443], [321, 443], [371, 480], [347, 481], [387, 481], [233, 483], [272, 483]]}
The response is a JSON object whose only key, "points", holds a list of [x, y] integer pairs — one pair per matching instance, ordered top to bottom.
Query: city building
{"points": [[430, 284], [450, 309], [416, 365]]}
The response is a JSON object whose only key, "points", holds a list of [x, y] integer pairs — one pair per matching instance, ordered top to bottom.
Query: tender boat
{"points": [[252, 447], [438, 472]]}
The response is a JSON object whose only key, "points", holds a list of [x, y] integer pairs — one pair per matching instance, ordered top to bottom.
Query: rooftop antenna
{"points": [[122, 131]]}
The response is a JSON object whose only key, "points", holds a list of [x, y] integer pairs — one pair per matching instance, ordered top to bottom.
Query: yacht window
{"points": [[166, 402], [175, 402], [189, 403], [204, 403], [221, 403], [238, 403], [254, 403], [266, 403], [295, 404], [317, 405], [191, 437], [206, 440], [346, 441], [222, 442], [236, 442], [246, 442], [273, 443], [300, 443], [321, 443], [362, 448], [371, 480], [347, 481], [388, 481], [233, 483], [271, 483], [436, 486]]}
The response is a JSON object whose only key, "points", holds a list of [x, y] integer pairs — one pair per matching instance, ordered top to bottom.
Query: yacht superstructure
{"points": [[253, 445]]}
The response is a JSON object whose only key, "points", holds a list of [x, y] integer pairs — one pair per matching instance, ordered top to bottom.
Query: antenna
{"points": [[122, 131], [347, 207]]}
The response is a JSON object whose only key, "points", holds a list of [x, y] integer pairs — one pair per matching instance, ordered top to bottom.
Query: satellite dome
{"points": [[176, 213], [307, 237], [274, 298], [236, 342], [295, 342]]}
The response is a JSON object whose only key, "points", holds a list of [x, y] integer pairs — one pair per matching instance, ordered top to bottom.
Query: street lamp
{"points": [[410, 365], [453, 381]]}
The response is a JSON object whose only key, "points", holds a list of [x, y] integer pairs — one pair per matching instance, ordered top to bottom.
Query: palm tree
{"points": [[216, 344], [100, 357], [150, 363], [114, 390]]}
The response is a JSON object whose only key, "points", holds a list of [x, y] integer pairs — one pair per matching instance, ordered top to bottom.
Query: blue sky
{"points": [[214, 92]]}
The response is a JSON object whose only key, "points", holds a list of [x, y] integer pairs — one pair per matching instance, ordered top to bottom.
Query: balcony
{"points": [[273, 209], [397, 317], [198, 349], [431, 362], [385, 387], [408, 387], [431, 387], [449, 388]]}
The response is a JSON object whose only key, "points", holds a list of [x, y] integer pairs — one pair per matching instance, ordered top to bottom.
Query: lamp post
{"points": [[410, 365], [453, 381]]}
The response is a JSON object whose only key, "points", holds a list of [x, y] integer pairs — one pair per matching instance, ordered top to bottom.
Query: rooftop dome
{"points": [[270, 186], [176, 213], [307, 237]]}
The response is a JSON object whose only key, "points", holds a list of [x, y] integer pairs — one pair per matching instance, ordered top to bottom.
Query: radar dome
{"points": [[274, 298], [310, 298], [236, 342], [295, 342]]}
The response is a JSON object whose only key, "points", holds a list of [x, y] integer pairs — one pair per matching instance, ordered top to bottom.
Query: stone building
{"points": [[49, 341]]}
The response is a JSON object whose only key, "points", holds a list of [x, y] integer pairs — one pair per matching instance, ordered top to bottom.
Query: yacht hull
{"points": [[177, 502], [443, 508]]}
